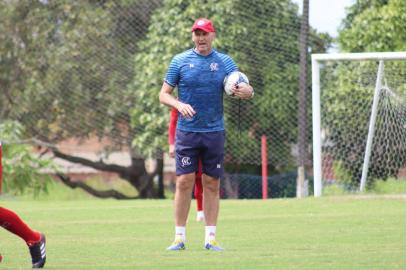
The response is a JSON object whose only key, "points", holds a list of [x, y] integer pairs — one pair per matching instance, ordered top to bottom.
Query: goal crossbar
{"points": [[360, 56]]}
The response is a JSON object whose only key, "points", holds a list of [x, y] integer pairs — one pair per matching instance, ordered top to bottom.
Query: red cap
{"points": [[203, 24]]}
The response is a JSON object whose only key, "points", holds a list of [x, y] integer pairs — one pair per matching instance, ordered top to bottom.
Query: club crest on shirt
{"points": [[214, 66]]}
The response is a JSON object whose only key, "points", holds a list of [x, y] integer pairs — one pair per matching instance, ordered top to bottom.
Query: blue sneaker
{"points": [[177, 245], [213, 245]]}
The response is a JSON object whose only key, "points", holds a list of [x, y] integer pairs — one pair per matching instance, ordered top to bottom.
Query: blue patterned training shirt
{"points": [[200, 83]]}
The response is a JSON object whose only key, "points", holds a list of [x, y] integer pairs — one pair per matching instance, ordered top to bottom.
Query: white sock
{"points": [[200, 214], [180, 233], [210, 234]]}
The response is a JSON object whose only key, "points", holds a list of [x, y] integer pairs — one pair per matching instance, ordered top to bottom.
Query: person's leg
{"points": [[213, 159], [186, 166], [184, 187], [199, 194], [199, 199], [211, 199], [211, 203], [14, 224], [35, 240]]}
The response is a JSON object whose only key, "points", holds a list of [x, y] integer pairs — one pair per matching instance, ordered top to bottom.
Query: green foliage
{"points": [[358, 7], [374, 25], [370, 26], [169, 34], [262, 38], [72, 59], [78, 69], [347, 99], [338, 122], [21, 168], [343, 174], [390, 186], [384, 187], [335, 189]]}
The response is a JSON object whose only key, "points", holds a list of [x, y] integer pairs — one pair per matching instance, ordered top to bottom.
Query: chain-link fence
{"points": [[83, 78], [347, 90]]}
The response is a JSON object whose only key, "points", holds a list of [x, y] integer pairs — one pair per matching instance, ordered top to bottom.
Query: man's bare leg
{"points": [[183, 197], [211, 199], [211, 203]]}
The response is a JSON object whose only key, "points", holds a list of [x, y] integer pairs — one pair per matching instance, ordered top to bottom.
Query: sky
{"points": [[326, 15]]}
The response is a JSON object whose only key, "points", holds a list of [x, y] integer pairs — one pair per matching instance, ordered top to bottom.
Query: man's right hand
{"points": [[185, 110]]}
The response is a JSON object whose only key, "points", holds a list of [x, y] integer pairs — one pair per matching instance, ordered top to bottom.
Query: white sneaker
{"points": [[200, 216]]}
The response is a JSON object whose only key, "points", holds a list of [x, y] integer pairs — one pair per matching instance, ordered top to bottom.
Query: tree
{"points": [[370, 26], [374, 26], [263, 38], [65, 57], [76, 69], [22, 170]]}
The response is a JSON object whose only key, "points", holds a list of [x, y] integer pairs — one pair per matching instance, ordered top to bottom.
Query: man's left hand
{"points": [[243, 90]]}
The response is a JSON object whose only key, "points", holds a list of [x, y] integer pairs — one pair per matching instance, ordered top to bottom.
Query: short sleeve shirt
{"points": [[200, 83]]}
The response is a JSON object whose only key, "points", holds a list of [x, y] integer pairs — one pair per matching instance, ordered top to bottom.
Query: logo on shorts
{"points": [[186, 161], [218, 166]]}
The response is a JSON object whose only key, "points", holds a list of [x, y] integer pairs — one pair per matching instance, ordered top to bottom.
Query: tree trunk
{"points": [[160, 171], [135, 174]]}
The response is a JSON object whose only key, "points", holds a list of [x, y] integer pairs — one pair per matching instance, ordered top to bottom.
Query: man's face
{"points": [[203, 41]]}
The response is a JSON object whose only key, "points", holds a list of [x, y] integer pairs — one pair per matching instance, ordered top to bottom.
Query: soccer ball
{"points": [[232, 79]]}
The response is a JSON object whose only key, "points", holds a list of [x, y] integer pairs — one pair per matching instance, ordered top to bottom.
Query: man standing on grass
{"points": [[199, 74], [198, 190]]}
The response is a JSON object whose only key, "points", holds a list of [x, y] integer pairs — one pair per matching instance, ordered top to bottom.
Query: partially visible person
{"points": [[199, 74], [198, 190], [34, 240]]}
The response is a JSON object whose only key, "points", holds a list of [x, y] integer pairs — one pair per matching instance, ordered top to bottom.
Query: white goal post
{"points": [[319, 62]]}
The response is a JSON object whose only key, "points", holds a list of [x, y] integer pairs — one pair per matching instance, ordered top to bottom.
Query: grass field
{"points": [[346, 232]]}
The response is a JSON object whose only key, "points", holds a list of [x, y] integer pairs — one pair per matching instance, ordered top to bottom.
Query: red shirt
{"points": [[172, 126]]}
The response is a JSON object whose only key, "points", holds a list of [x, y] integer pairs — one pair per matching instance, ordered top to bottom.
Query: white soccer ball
{"points": [[232, 79]]}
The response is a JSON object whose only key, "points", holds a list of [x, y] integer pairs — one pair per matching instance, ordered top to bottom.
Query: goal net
{"points": [[359, 119]]}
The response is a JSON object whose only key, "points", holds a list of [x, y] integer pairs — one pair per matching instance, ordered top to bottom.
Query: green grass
{"points": [[390, 186], [347, 232]]}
